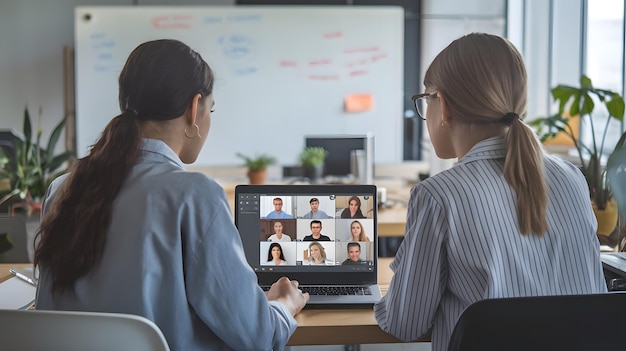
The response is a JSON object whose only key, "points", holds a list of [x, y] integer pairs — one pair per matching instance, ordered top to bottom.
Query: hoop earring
{"points": [[193, 136]]}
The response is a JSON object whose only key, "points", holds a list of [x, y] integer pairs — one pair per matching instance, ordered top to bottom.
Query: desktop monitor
{"points": [[7, 142], [347, 155]]}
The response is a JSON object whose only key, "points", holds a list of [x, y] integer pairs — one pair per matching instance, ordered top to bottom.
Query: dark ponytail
{"points": [[158, 82], [77, 224]]}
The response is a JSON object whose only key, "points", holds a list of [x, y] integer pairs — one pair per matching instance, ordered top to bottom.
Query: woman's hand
{"points": [[286, 292]]}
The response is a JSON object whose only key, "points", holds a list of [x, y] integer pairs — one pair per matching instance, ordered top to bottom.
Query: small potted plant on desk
{"points": [[581, 102], [312, 160], [257, 167]]}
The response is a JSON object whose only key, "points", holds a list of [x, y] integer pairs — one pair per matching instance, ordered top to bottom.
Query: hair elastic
{"points": [[131, 111], [509, 118]]}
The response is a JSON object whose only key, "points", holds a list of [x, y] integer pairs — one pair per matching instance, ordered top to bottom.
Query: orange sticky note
{"points": [[358, 102]]}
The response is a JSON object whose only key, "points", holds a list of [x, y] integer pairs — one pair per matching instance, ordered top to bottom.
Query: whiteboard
{"points": [[282, 72]]}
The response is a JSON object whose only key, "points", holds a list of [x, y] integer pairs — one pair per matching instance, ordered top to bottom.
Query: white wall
{"points": [[444, 21], [33, 33]]}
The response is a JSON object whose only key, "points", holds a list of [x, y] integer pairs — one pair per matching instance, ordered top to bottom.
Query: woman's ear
{"points": [[193, 109], [446, 117]]}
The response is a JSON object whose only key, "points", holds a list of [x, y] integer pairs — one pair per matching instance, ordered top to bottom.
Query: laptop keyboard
{"points": [[334, 290]]}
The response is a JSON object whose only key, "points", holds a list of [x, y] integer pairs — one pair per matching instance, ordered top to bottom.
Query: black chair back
{"points": [[570, 322]]}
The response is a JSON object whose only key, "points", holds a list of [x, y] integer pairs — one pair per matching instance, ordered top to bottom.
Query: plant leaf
{"points": [[585, 82], [562, 94], [588, 105], [616, 106], [574, 109], [28, 129], [54, 138], [58, 160], [257, 163]]}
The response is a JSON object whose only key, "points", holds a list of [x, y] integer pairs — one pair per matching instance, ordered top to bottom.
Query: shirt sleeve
{"points": [[223, 290], [408, 309]]}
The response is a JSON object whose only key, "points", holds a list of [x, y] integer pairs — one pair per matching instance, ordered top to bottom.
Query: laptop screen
{"points": [[313, 233]]}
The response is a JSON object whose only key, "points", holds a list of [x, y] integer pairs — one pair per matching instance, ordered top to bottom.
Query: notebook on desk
{"points": [[304, 232]]}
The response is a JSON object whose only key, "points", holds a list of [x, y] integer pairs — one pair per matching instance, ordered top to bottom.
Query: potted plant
{"points": [[583, 101], [312, 160], [257, 167], [33, 168]]}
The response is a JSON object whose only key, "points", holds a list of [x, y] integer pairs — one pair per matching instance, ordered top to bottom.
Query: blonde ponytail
{"points": [[524, 171]]}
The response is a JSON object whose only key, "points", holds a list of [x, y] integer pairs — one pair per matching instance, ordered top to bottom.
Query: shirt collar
{"points": [[491, 148], [157, 150]]}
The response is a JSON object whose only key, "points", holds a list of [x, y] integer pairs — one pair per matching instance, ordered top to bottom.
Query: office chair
{"points": [[570, 322], [64, 330]]}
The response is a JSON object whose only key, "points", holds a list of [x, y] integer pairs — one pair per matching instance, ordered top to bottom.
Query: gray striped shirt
{"points": [[462, 244]]}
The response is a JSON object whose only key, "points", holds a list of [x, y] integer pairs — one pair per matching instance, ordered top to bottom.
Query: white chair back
{"points": [[65, 330]]}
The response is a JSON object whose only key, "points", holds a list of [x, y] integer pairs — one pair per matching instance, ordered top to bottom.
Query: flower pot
{"points": [[314, 173], [257, 177], [5, 185], [607, 218]]}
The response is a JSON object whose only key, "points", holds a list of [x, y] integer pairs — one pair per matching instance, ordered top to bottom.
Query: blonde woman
{"points": [[506, 220], [357, 232], [317, 255]]}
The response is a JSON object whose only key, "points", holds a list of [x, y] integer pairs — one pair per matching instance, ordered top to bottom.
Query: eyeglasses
{"points": [[421, 112]]}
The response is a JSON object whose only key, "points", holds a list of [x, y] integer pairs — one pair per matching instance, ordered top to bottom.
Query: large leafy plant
{"points": [[581, 101], [34, 167]]}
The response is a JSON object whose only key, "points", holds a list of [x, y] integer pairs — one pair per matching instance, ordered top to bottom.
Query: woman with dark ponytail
{"points": [[506, 220], [130, 231]]}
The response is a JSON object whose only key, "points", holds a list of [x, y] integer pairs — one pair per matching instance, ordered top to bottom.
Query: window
{"points": [[603, 59]]}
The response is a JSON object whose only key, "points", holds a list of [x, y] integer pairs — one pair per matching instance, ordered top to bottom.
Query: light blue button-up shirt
{"points": [[279, 215], [173, 255]]}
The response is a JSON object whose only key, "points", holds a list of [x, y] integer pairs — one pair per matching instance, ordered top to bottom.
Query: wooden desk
{"points": [[392, 221], [4, 269], [344, 326], [321, 327]]}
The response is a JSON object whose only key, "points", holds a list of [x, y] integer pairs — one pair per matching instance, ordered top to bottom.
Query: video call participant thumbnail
{"points": [[354, 209], [278, 212], [315, 212], [316, 232], [278, 233], [354, 254], [275, 255], [317, 255]]}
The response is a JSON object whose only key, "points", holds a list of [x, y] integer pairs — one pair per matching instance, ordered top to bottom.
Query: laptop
{"points": [[308, 233]]}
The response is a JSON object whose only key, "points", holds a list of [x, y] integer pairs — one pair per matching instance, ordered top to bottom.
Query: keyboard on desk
{"points": [[334, 290]]}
